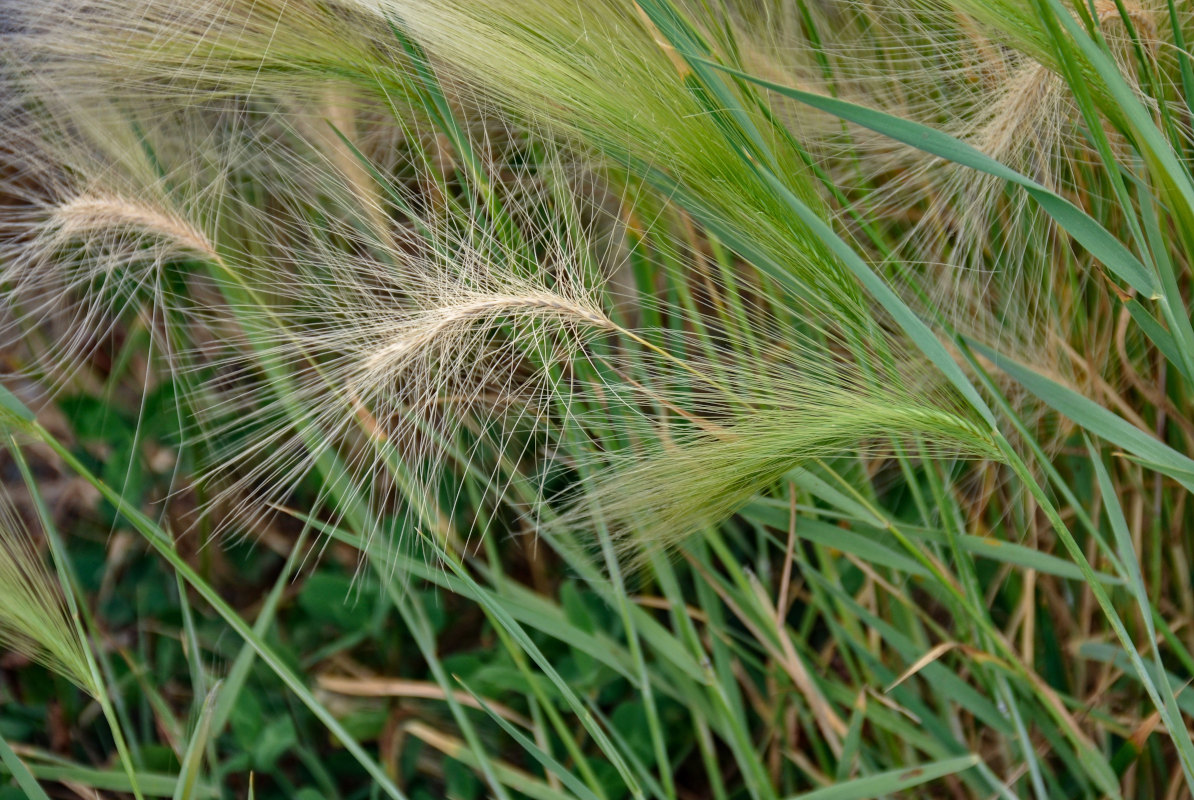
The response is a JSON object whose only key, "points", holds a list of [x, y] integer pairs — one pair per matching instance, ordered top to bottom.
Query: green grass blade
{"points": [[1128, 104], [1085, 230], [920, 333], [1161, 338], [11, 405], [1095, 418], [162, 543], [867, 545], [508, 623], [238, 674], [1160, 692], [192, 762], [549, 763], [20, 773], [896, 780], [151, 784]]}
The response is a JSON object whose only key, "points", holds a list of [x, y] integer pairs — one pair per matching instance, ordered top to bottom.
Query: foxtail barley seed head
{"points": [[778, 417], [34, 620]]}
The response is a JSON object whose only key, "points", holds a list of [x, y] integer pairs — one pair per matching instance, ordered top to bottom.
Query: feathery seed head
{"points": [[596, 74], [88, 215], [989, 254], [398, 368], [698, 477], [34, 620]]}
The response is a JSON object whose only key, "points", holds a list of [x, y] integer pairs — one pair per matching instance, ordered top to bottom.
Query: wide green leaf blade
{"points": [[1088, 232], [1095, 418]]}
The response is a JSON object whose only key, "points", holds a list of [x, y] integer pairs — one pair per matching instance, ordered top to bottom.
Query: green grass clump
{"points": [[604, 400]]}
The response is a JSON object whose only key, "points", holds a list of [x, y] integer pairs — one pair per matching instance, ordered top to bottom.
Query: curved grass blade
{"points": [[1085, 230], [1096, 419], [162, 543], [896, 780]]}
